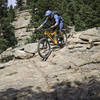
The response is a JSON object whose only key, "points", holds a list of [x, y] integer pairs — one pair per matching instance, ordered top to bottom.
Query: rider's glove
{"points": [[39, 27], [52, 27]]}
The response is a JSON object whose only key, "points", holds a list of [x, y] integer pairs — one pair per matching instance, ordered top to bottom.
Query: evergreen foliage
{"points": [[19, 3], [83, 14], [87, 14], [7, 36]]}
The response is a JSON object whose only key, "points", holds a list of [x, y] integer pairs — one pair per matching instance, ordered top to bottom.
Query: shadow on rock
{"points": [[62, 91]]}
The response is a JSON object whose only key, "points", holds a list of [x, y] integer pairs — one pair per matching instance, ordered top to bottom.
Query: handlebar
{"points": [[46, 29]]}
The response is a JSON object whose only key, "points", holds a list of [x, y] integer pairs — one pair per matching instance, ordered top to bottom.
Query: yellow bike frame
{"points": [[50, 34]]}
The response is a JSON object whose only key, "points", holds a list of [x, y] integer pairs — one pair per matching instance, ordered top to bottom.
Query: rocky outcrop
{"points": [[24, 1], [21, 24], [85, 39], [26, 51], [21, 52], [6, 55], [70, 73], [65, 74]]}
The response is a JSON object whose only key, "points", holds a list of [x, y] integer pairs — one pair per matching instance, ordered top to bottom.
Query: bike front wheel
{"points": [[44, 48]]}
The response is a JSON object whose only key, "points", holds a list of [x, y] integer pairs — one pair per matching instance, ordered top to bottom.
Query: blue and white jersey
{"points": [[56, 18]]}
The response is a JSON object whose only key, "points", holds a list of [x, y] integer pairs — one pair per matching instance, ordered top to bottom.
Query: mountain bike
{"points": [[44, 44]]}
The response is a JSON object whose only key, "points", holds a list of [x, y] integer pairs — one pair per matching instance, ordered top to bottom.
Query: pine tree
{"points": [[19, 3], [89, 12], [11, 14], [83, 14], [7, 38]]}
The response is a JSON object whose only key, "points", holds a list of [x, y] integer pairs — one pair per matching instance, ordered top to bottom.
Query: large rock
{"points": [[23, 19], [21, 25], [91, 32], [88, 37], [85, 39], [76, 41], [77, 46], [30, 48], [26, 51], [22, 54], [7, 55]]}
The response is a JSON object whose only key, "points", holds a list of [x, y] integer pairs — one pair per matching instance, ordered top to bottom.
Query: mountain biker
{"points": [[56, 18]]}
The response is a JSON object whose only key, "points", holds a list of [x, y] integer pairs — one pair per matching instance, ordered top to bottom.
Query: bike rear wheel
{"points": [[44, 48]]}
